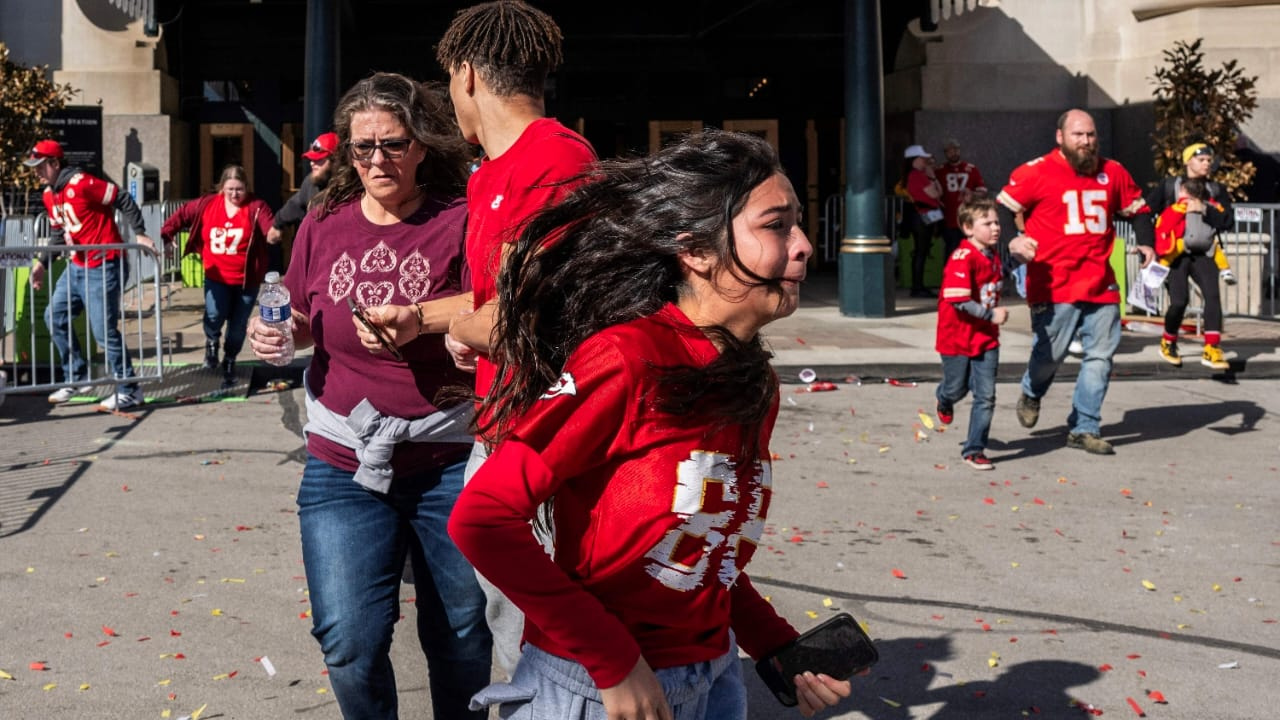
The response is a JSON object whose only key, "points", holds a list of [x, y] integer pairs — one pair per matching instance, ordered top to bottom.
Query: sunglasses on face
{"points": [[391, 149]]}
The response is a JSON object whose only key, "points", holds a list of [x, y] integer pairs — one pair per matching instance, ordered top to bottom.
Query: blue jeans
{"points": [[95, 291], [231, 305], [1053, 326], [962, 375], [354, 543], [548, 686]]}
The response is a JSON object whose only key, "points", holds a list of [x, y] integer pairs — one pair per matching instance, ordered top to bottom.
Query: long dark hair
{"points": [[426, 114], [615, 257]]}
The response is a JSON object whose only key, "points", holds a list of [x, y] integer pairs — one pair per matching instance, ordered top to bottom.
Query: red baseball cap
{"points": [[323, 147], [43, 150]]}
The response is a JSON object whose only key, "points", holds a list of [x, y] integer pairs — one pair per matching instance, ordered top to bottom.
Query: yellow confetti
{"points": [[926, 420], [884, 449], [853, 461], [1062, 480], [1014, 508], [1159, 533], [1014, 564], [31, 569], [258, 571], [232, 580], [1148, 585], [1217, 587], [1177, 598], [826, 602], [217, 612], [812, 615], [1183, 626], [865, 627], [993, 662], [5, 676], [223, 676], [166, 681], [84, 686], [49, 687], [321, 691], [890, 703], [165, 713], [196, 715]]}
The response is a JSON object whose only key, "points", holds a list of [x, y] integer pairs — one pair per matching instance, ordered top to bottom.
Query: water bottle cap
{"points": [[272, 277]]}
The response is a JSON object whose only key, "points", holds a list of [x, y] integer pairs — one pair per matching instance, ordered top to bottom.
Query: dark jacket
{"points": [[1165, 193], [295, 208], [191, 215]]}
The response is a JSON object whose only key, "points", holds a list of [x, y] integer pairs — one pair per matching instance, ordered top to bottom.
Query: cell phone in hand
{"points": [[377, 331], [837, 648]]}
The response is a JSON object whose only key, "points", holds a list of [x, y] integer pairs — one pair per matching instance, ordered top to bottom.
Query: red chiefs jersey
{"points": [[956, 179], [917, 181], [505, 192], [84, 209], [1070, 217], [225, 245], [973, 274], [656, 516]]}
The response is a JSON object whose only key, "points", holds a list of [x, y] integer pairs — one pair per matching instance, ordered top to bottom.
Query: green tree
{"points": [[26, 96], [1196, 104]]}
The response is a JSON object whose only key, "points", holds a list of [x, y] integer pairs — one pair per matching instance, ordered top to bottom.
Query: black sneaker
{"points": [[210, 355], [1028, 411], [1090, 443], [979, 461]]}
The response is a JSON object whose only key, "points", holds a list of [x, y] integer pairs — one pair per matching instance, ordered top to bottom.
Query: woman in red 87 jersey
{"points": [[229, 230]]}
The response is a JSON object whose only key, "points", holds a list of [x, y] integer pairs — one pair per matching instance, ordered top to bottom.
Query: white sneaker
{"points": [[1227, 276], [1076, 347], [61, 395], [122, 400]]}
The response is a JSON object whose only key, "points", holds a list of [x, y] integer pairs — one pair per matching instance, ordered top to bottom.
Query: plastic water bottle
{"points": [[273, 305]]}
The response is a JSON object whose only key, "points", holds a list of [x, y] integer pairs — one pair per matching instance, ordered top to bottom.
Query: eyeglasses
{"points": [[391, 149]]}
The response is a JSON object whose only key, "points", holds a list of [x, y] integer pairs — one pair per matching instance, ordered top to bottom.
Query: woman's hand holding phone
{"points": [[373, 328], [818, 692]]}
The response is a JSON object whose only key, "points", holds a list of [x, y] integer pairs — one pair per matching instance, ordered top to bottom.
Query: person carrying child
{"points": [[1198, 161], [1187, 244], [969, 321]]}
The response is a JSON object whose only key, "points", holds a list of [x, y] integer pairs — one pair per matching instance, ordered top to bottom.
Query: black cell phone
{"points": [[377, 331], [838, 648]]}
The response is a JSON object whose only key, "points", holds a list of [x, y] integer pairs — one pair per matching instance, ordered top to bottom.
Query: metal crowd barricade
{"points": [[27, 346]]}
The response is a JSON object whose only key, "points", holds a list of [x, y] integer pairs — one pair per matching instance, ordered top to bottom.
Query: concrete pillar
{"points": [[321, 68]]}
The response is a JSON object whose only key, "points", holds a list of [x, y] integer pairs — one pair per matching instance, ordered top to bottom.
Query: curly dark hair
{"points": [[511, 44], [425, 112], [615, 258]]}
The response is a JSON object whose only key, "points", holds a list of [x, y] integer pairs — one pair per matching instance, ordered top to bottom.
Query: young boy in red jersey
{"points": [[969, 321]]}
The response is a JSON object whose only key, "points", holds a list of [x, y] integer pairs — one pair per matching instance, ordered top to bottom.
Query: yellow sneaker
{"points": [[1169, 351], [1212, 357]]}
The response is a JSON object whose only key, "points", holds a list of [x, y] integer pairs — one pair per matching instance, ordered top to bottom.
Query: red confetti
{"points": [[800, 340], [901, 383], [822, 484], [124, 488], [989, 501], [1037, 501], [243, 528], [796, 539], [899, 574], [936, 617], [986, 627], [109, 632], [174, 633], [144, 638], [104, 643], [179, 656], [1134, 656], [38, 666], [1105, 668], [233, 673], [1142, 673], [979, 693], [173, 696], [1156, 696], [1136, 708]]}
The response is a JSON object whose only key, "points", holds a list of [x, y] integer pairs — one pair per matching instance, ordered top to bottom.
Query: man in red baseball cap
{"points": [[295, 208], [82, 209]]}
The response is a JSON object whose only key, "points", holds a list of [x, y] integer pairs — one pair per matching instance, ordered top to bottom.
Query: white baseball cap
{"points": [[915, 151]]}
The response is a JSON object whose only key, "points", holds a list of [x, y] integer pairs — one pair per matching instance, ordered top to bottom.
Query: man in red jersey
{"points": [[498, 56], [960, 180], [1069, 198], [82, 211]]}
